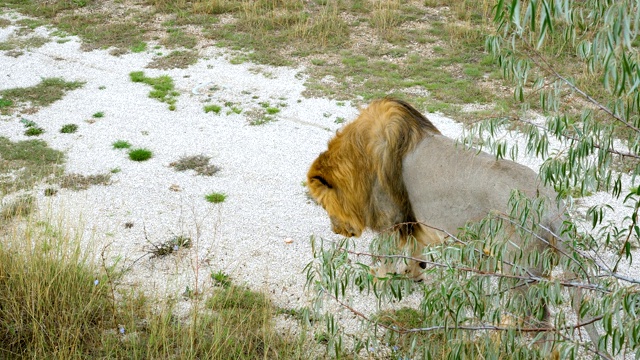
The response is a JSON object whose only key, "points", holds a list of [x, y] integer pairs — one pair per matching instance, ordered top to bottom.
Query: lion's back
{"points": [[448, 185]]}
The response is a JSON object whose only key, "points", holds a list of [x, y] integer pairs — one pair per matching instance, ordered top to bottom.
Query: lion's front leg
{"points": [[416, 242], [412, 246]]}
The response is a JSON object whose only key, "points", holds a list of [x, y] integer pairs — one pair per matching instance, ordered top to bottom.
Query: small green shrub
{"points": [[139, 47], [137, 76], [163, 87], [5, 103], [212, 108], [234, 110], [272, 110], [98, 115], [28, 123], [69, 128], [34, 131], [121, 144], [140, 154], [215, 197], [170, 246], [221, 279]]}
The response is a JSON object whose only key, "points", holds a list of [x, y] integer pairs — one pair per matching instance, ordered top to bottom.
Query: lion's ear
{"points": [[322, 181]]}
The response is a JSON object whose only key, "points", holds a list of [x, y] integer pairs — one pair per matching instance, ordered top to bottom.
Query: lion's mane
{"points": [[358, 180]]}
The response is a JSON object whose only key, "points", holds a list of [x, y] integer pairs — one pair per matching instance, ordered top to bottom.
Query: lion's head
{"points": [[358, 180], [330, 185]]}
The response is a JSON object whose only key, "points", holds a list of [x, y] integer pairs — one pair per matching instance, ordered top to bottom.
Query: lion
{"points": [[392, 171]]}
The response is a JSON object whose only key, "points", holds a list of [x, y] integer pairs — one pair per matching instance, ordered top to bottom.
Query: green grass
{"points": [[100, 30], [176, 37], [16, 42], [139, 47], [443, 63], [163, 87], [48, 91], [4, 103], [212, 108], [234, 110], [99, 114], [261, 120], [69, 128], [34, 131], [121, 144], [140, 154], [24, 163], [215, 197], [19, 207], [221, 279], [59, 304]]}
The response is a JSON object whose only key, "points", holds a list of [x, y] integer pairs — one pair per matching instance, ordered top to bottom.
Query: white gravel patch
{"points": [[260, 234]]}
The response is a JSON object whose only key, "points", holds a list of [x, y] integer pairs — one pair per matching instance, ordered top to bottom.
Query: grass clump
{"points": [[99, 30], [178, 38], [17, 43], [138, 47], [174, 60], [163, 87], [47, 92], [5, 103], [212, 108], [272, 110], [99, 114], [261, 120], [69, 128], [34, 131], [121, 144], [140, 154], [24, 163], [199, 163], [83, 182], [215, 197], [19, 207], [170, 246], [221, 279], [53, 304]]}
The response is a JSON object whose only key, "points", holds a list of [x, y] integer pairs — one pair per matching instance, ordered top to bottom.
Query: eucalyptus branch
{"points": [[544, 64], [570, 137], [634, 220], [545, 241], [601, 265], [528, 279], [478, 327], [401, 330], [592, 349]]}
